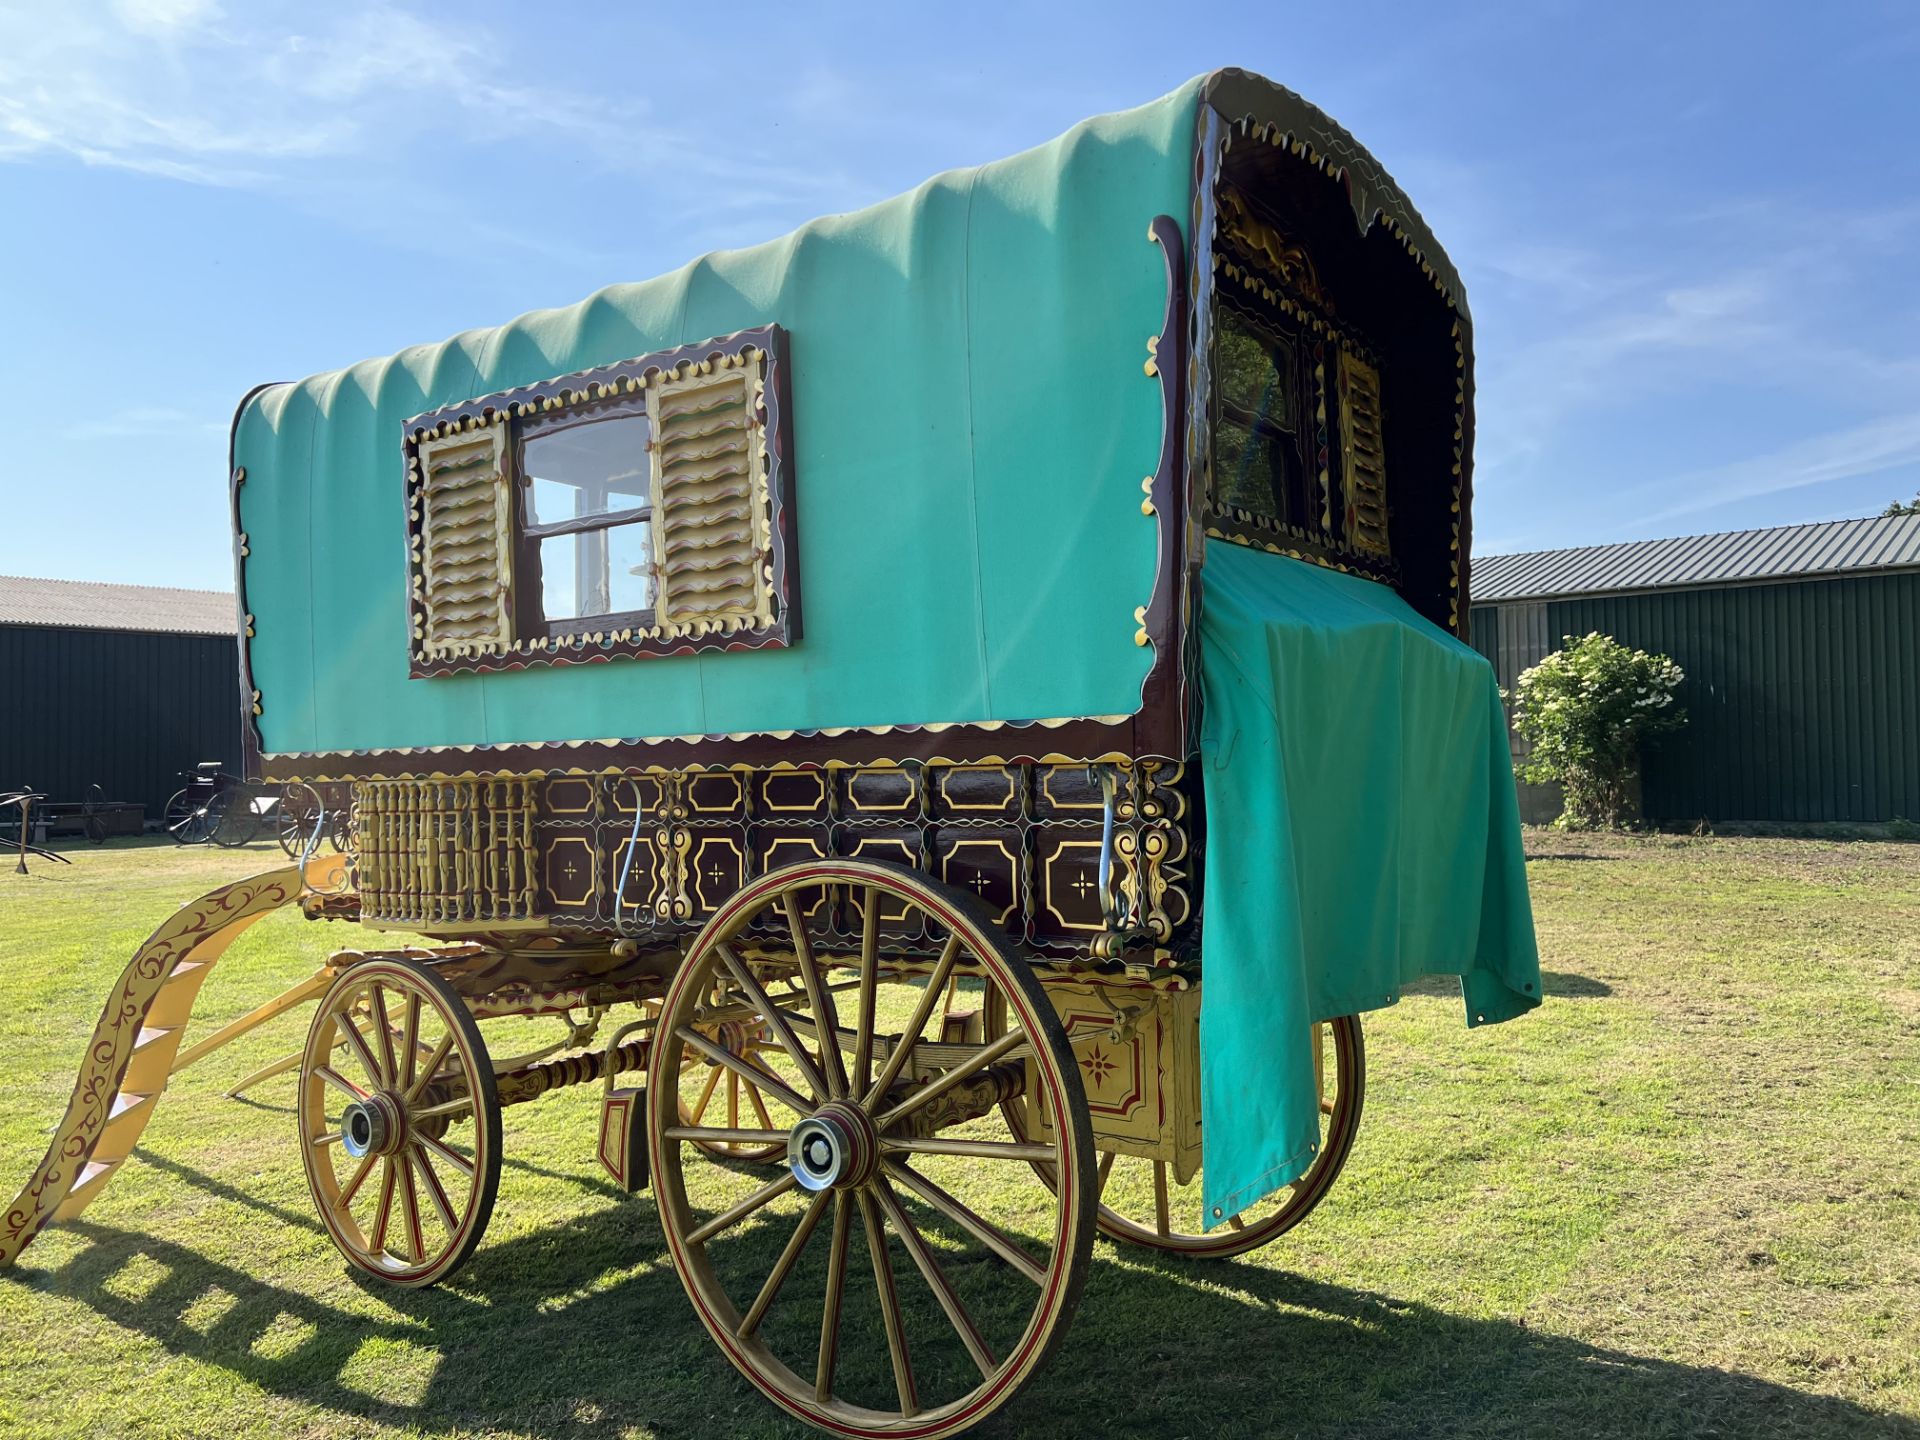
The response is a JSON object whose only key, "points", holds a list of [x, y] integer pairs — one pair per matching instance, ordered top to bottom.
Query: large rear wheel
{"points": [[893, 1147], [1141, 1204]]}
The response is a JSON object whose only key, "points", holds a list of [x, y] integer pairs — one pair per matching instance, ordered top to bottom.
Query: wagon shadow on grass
{"points": [[582, 1330]]}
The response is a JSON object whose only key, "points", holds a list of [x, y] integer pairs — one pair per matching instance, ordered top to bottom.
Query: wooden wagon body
{"points": [[818, 623]]}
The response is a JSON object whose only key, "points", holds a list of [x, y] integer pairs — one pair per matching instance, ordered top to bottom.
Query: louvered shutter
{"points": [[1363, 455], [710, 505], [463, 543]]}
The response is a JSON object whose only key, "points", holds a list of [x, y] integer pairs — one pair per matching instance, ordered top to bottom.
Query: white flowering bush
{"points": [[1587, 709]]}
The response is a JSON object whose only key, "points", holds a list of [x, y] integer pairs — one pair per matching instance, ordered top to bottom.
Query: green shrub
{"points": [[1586, 709]]}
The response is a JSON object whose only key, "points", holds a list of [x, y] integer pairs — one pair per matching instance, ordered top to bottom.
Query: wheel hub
{"points": [[373, 1126], [832, 1149]]}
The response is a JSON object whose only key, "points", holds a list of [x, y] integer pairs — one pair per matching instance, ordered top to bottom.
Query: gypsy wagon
{"points": [[957, 712]]}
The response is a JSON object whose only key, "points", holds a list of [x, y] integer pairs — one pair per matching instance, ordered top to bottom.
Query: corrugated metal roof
{"points": [[1884, 542], [83, 604]]}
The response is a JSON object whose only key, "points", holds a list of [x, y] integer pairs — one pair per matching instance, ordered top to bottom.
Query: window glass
{"points": [[1258, 459], [588, 469], [629, 567], [597, 572]]}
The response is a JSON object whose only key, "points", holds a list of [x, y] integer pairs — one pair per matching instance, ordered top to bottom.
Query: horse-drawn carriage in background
{"points": [[958, 749]]}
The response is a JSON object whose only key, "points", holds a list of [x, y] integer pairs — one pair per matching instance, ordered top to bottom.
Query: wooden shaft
{"points": [[306, 990], [530, 1082]]}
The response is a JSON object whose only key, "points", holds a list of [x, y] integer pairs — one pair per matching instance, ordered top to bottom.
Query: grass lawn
{"points": [[1682, 1198]]}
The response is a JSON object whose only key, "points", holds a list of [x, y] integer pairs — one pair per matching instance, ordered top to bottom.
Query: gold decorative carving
{"points": [[1266, 246], [1363, 455], [711, 511], [462, 553], [447, 852], [135, 1043], [1139, 1050]]}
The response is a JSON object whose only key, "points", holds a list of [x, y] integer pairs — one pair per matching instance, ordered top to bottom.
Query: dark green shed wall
{"points": [[1803, 698], [122, 709]]}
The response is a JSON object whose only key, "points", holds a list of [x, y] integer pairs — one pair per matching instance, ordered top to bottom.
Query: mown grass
{"points": [[1683, 1198]]}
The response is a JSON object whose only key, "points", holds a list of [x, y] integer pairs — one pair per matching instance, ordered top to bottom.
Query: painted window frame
{"points": [[760, 355]]}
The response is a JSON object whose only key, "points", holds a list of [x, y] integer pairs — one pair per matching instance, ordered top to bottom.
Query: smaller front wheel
{"points": [[399, 1122]]}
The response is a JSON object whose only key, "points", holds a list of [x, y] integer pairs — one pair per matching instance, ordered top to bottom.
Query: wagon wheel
{"points": [[297, 815], [231, 819], [185, 821], [733, 1100], [402, 1153], [1141, 1204], [1000, 1257]]}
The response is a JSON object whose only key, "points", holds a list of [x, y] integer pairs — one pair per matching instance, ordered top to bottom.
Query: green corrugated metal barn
{"points": [[1801, 646], [120, 686]]}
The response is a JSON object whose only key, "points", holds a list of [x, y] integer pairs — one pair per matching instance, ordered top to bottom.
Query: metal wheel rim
{"points": [[440, 1200], [811, 1396]]}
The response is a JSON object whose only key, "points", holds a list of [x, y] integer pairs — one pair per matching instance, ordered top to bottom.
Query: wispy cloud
{"points": [[346, 97], [1887, 444]]}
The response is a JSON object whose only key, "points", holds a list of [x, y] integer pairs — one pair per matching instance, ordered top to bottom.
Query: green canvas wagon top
{"points": [[978, 495], [1087, 529]]}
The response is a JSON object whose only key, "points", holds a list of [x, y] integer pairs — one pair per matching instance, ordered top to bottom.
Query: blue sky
{"points": [[1688, 231]]}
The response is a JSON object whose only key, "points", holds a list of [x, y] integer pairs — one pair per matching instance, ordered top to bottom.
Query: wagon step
{"points": [[135, 1047]]}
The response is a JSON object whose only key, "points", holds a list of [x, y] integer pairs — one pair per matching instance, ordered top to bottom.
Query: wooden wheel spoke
{"points": [[936, 983], [869, 989], [775, 1017], [826, 1019], [383, 1026], [410, 1043], [358, 1044], [431, 1068], [745, 1068], [965, 1070], [714, 1072], [339, 1082], [460, 1106], [759, 1106], [1326, 1107], [725, 1135], [977, 1149], [451, 1156], [1106, 1169], [356, 1180], [436, 1192], [410, 1204], [957, 1211], [384, 1214], [733, 1215], [1162, 1222], [783, 1267], [936, 1279], [836, 1293], [889, 1306]]}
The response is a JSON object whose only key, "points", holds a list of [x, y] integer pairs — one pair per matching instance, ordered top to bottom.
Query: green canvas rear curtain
{"points": [[1362, 831]]}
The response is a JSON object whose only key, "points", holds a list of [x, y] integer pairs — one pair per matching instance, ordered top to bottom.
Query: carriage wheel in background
{"points": [[298, 813], [231, 818], [93, 819], [184, 820], [402, 1153], [1141, 1205], [864, 1344]]}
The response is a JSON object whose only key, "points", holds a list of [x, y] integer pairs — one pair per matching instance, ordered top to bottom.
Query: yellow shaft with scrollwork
{"points": [[134, 1044]]}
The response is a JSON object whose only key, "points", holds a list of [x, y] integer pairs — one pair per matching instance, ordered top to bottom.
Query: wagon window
{"points": [[1259, 464], [641, 508], [589, 517]]}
